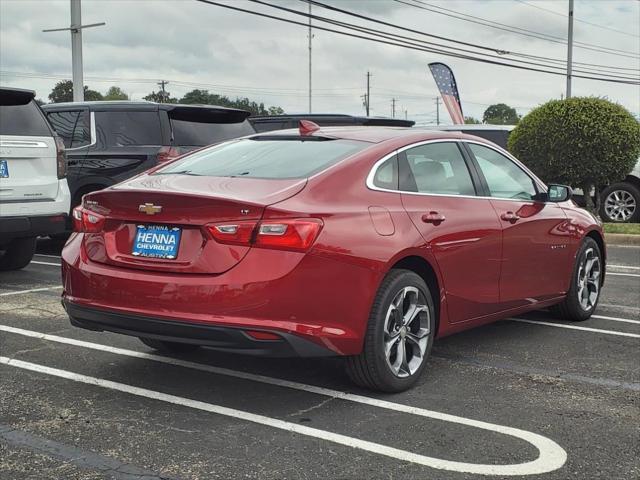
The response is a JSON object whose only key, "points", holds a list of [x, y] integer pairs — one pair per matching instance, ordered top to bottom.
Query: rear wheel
{"points": [[18, 253], [584, 293], [399, 335], [169, 347]]}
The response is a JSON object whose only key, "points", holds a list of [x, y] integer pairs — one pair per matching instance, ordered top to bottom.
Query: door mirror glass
{"points": [[559, 193]]}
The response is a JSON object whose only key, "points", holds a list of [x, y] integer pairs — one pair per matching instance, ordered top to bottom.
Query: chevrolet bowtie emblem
{"points": [[150, 208]]}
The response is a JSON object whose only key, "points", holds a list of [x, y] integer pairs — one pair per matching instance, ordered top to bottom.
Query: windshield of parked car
{"points": [[266, 158]]}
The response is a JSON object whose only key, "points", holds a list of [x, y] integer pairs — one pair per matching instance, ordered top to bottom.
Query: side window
{"points": [[71, 126], [124, 129], [436, 168], [386, 175], [504, 178]]}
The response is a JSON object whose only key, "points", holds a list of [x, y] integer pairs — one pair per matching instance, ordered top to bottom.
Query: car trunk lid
{"points": [[187, 203]]}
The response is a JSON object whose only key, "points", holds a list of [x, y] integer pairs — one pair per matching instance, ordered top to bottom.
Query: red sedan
{"points": [[361, 242]]}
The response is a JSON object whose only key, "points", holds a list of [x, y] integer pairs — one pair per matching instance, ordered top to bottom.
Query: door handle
{"points": [[433, 217], [510, 217]]}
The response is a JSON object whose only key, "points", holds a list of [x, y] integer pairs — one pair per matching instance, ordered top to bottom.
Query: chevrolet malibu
{"points": [[365, 242]]}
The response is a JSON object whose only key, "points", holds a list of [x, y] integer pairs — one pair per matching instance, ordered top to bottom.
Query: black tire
{"points": [[631, 190], [18, 254], [570, 309], [169, 347], [371, 369]]}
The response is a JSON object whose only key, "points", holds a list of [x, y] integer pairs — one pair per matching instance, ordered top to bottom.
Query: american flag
{"points": [[446, 82]]}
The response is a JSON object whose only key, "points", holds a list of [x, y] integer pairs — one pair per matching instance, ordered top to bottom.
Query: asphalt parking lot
{"points": [[533, 397]]}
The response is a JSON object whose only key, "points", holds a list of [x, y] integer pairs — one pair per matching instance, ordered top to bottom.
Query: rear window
{"points": [[23, 120], [72, 126], [128, 129], [200, 134], [499, 137], [266, 158]]}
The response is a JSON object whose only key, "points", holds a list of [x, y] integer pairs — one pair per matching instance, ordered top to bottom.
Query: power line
{"points": [[577, 20], [510, 28], [392, 39]]}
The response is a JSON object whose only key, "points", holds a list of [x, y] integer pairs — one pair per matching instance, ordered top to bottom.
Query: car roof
{"points": [[131, 105], [328, 117], [468, 126], [374, 134]]}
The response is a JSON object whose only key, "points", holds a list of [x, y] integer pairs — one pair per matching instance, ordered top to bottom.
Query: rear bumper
{"points": [[31, 226], [307, 297], [220, 338]]}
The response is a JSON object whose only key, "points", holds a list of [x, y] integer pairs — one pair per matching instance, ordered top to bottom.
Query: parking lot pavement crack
{"points": [[29, 350], [314, 407], [76, 456]]}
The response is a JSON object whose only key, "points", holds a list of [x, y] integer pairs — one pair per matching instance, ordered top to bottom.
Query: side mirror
{"points": [[559, 193]]}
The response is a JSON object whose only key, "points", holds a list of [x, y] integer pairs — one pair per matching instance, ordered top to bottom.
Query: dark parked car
{"points": [[282, 122], [108, 142]]}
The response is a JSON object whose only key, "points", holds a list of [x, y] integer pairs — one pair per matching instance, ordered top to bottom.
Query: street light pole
{"points": [[76, 47], [569, 49]]}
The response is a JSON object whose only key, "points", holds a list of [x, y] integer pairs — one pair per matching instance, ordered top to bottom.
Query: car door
{"points": [[127, 143], [439, 194], [535, 237]]}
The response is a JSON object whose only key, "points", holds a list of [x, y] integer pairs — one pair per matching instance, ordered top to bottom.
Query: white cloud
{"points": [[238, 54]]}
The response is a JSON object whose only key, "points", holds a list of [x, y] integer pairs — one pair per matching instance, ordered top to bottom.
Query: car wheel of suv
{"points": [[620, 203], [18, 253], [584, 292], [399, 335], [169, 347]]}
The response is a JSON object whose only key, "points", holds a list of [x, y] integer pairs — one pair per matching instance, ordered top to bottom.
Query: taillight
{"points": [[167, 153], [61, 158], [87, 221], [286, 234]]}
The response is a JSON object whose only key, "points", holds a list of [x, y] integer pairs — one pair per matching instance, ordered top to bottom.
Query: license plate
{"points": [[4, 169], [156, 241]]}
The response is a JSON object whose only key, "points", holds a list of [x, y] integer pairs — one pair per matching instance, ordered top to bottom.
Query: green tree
{"points": [[63, 92], [116, 93], [160, 97], [275, 111], [500, 114], [471, 121], [585, 142]]}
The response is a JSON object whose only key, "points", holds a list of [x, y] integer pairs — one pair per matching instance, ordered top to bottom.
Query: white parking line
{"points": [[49, 256], [45, 263], [628, 267], [623, 274], [19, 292], [616, 319], [575, 327], [551, 455]]}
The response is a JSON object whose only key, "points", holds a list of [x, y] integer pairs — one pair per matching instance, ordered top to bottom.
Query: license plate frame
{"points": [[4, 168], [156, 241]]}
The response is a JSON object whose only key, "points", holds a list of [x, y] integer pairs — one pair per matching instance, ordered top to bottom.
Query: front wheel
{"points": [[620, 203], [18, 254], [584, 293], [399, 335]]}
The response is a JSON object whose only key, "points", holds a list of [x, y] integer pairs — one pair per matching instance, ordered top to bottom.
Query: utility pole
{"points": [[310, 38], [76, 48], [570, 49], [163, 96], [368, 97], [393, 108], [437, 110], [406, 114]]}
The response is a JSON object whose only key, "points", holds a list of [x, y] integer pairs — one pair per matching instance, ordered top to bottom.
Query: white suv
{"points": [[34, 196]]}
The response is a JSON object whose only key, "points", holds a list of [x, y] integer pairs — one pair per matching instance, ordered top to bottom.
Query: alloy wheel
{"points": [[620, 205], [589, 280], [406, 332]]}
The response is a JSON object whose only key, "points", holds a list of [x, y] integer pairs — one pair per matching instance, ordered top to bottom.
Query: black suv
{"points": [[282, 122], [108, 142]]}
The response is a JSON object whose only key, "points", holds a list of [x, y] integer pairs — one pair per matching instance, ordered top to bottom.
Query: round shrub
{"points": [[584, 142]]}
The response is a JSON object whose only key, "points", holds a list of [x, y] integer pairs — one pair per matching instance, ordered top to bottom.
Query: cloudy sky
{"points": [[195, 45]]}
